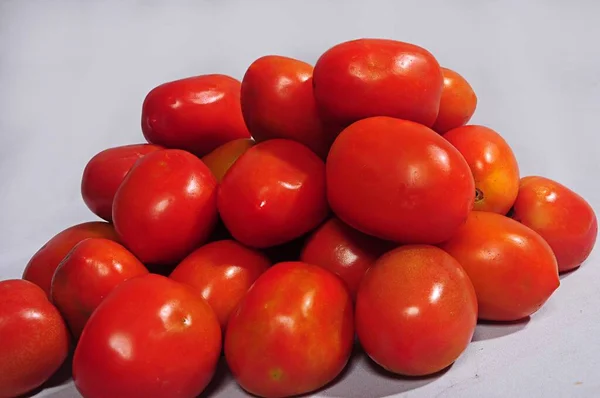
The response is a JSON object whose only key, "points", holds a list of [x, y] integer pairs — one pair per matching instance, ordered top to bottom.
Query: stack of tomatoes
{"points": [[275, 219]]}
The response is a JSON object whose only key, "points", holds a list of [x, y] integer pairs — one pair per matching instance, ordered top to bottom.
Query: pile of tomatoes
{"points": [[277, 220]]}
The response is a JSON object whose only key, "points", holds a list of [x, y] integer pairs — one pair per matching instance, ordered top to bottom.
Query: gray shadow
{"points": [[487, 330]]}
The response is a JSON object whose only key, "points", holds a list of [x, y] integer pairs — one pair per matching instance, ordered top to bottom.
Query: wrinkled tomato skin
{"points": [[377, 77], [457, 104], [196, 114], [222, 158], [493, 165], [105, 172], [399, 181], [274, 193], [166, 206], [562, 217], [344, 251], [41, 267], [512, 268], [222, 272], [87, 275], [433, 315], [295, 326], [160, 333], [34, 340]]}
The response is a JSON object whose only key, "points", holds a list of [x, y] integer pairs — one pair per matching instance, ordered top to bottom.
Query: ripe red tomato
{"points": [[377, 77], [278, 102], [457, 104], [196, 114], [222, 158], [493, 164], [104, 173], [399, 181], [275, 192], [166, 206], [562, 217], [344, 251], [40, 268], [512, 268], [222, 272], [87, 275], [416, 310], [292, 333], [151, 337], [34, 340]]}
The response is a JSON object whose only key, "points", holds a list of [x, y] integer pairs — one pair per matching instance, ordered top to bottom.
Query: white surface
{"points": [[73, 75]]}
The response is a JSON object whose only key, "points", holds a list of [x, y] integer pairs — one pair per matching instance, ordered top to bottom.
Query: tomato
{"points": [[377, 77], [278, 102], [457, 104], [196, 114], [221, 159], [493, 164], [104, 173], [399, 181], [275, 192], [166, 206], [562, 217], [344, 251], [42, 265], [512, 268], [222, 272], [87, 275], [416, 310], [292, 333], [151, 337], [34, 340]]}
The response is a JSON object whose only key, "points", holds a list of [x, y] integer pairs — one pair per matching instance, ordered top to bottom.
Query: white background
{"points": [[73, 75]]}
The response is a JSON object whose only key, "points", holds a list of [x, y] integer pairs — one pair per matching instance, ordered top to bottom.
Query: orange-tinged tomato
{"points": [[457, 104], [222, 158], [562, 217]]}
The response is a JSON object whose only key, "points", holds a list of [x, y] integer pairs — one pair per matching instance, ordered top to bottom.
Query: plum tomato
{"points": [[458, 102], [222, 158]]}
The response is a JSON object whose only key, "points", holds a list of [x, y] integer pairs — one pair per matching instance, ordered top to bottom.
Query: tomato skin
{"points": [[378, 77], [457, 104], [196, 114], [221, 159], [493, 163], [105, 172], [399, 181], [275, 192], [166, 206], [562, 217], [344, 251], [40, 268], [512, 268], [222, 272], [87, 275], [416, 310], [295, 326], [160, 333], [34, 340]]}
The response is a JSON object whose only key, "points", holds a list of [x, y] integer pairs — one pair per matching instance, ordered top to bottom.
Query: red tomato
{"points": [[377, 77], [278, 102], [458, 102], [196, 114], [222, 158], [493, 164], [104, 173], [399, 181], [275, 192], [166, 206], [562, 217], [344, 251], [42, 265], [512, 268], [222, 272], [87, 275], [416, 310], [292, 333], [151, 337], [34, 340]]}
